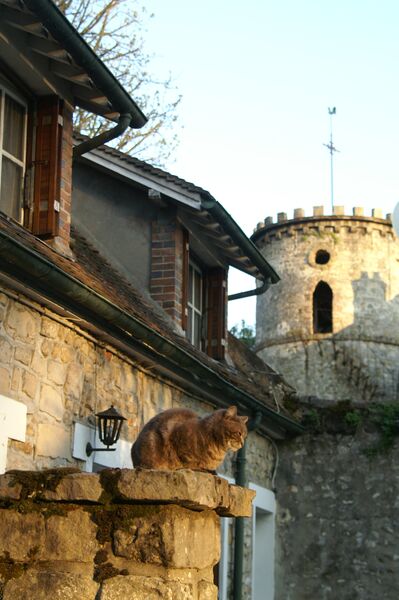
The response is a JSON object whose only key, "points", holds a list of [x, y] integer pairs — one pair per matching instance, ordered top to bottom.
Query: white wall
{"points": [[12, 426]]}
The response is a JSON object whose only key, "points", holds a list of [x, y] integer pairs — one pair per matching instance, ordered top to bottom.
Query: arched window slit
{"points": [[322, 308]]}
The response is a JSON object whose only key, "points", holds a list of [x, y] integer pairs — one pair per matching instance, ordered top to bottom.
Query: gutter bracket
{"points": [[103, 138]]}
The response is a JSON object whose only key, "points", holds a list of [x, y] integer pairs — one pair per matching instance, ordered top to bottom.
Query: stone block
{"points": [[338, 210], [318, 211], [299, 213], [377, 213], [22, 323], [49, 328], [5, 350], [23, 355], [38, 364], [56, 372], [16, 379], [74, 380], [4, 381], [29, 384], [51, 401], [53, 441], [184, 487], [9, 488], [75, 488], [188, 488], [239, 503], [21, 535], [171, 536], [70, 537], [42, 585], [137, 587], [207, 591]]}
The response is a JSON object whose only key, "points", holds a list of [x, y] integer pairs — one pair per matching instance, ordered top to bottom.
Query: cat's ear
{"points": [[231, 412], [243, 419]]}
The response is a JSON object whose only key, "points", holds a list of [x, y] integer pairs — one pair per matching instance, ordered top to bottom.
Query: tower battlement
{"points": [[299, 215], [320, 223]]}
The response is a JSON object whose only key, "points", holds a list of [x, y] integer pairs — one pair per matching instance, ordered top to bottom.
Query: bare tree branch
{"points": [[114, 30]]}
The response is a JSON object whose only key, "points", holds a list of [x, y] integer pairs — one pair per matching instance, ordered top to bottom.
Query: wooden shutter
{"points": [[47, 166], [216, 284]]}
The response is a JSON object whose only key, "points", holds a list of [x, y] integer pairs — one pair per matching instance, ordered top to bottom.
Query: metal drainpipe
{"points": [[103, 138], [256, 292], [241, 479]]}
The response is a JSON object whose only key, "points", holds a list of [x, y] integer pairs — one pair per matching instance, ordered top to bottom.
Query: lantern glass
{"points": [[109, 426]]}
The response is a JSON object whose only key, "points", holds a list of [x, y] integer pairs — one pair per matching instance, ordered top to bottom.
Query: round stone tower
{"points": [[331, 325]]}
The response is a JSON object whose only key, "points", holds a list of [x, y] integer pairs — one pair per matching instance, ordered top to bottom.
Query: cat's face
{"points": [[236, 429]]}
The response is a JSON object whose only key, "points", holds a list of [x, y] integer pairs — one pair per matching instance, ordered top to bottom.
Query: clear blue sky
{"points": [[257, 79]]}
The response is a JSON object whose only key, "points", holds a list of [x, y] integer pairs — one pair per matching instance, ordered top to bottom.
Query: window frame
{"points": [[6, 90], [194, 267]]}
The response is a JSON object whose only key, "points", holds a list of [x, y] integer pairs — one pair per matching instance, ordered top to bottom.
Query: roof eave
{"points": [[62, 30], [234, 230]]}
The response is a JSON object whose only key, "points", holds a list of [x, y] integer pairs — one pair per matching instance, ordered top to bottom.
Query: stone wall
{"points": [[359, 359], [63, 375], [338, 518], [122, 534]]}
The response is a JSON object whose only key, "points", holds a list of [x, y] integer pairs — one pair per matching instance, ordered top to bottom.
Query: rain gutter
{"points": [[64, 32], [102, 138], [34, 270], [261, 289]]}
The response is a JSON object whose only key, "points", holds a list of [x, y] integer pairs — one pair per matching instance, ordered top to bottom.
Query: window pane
{"points": [[13, 139], [11, 187], [190, 284], [197, 290], [190, 324], [197, 331]]}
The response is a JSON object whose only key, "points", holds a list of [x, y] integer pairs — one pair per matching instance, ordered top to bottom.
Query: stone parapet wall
{"points": [[358, 222], [120, 534]]}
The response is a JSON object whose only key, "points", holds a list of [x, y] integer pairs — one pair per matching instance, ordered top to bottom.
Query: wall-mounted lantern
{"points": [[109, 424]]}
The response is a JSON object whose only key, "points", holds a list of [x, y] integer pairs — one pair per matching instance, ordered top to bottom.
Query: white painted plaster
{"points": [[12, 426]]}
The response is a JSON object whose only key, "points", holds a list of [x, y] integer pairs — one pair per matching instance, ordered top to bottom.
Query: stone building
{"points": [[115, 291], [330, 326]]}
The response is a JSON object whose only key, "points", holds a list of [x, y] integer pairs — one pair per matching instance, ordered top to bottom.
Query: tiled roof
{"points": [[146, 167]]}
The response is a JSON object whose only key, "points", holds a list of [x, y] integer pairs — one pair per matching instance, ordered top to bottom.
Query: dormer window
{"points": [[13, 116], [322, 308]]}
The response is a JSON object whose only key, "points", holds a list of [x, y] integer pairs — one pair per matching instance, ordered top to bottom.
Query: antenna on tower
{"points": [[332, 149]]}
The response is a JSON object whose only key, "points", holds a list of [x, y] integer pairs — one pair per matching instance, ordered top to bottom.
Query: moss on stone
{"points": [[34, 483], [9, 569], [106, 571]]}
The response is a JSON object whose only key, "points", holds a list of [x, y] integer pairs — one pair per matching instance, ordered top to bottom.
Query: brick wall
{"points": [[167, 251]]}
